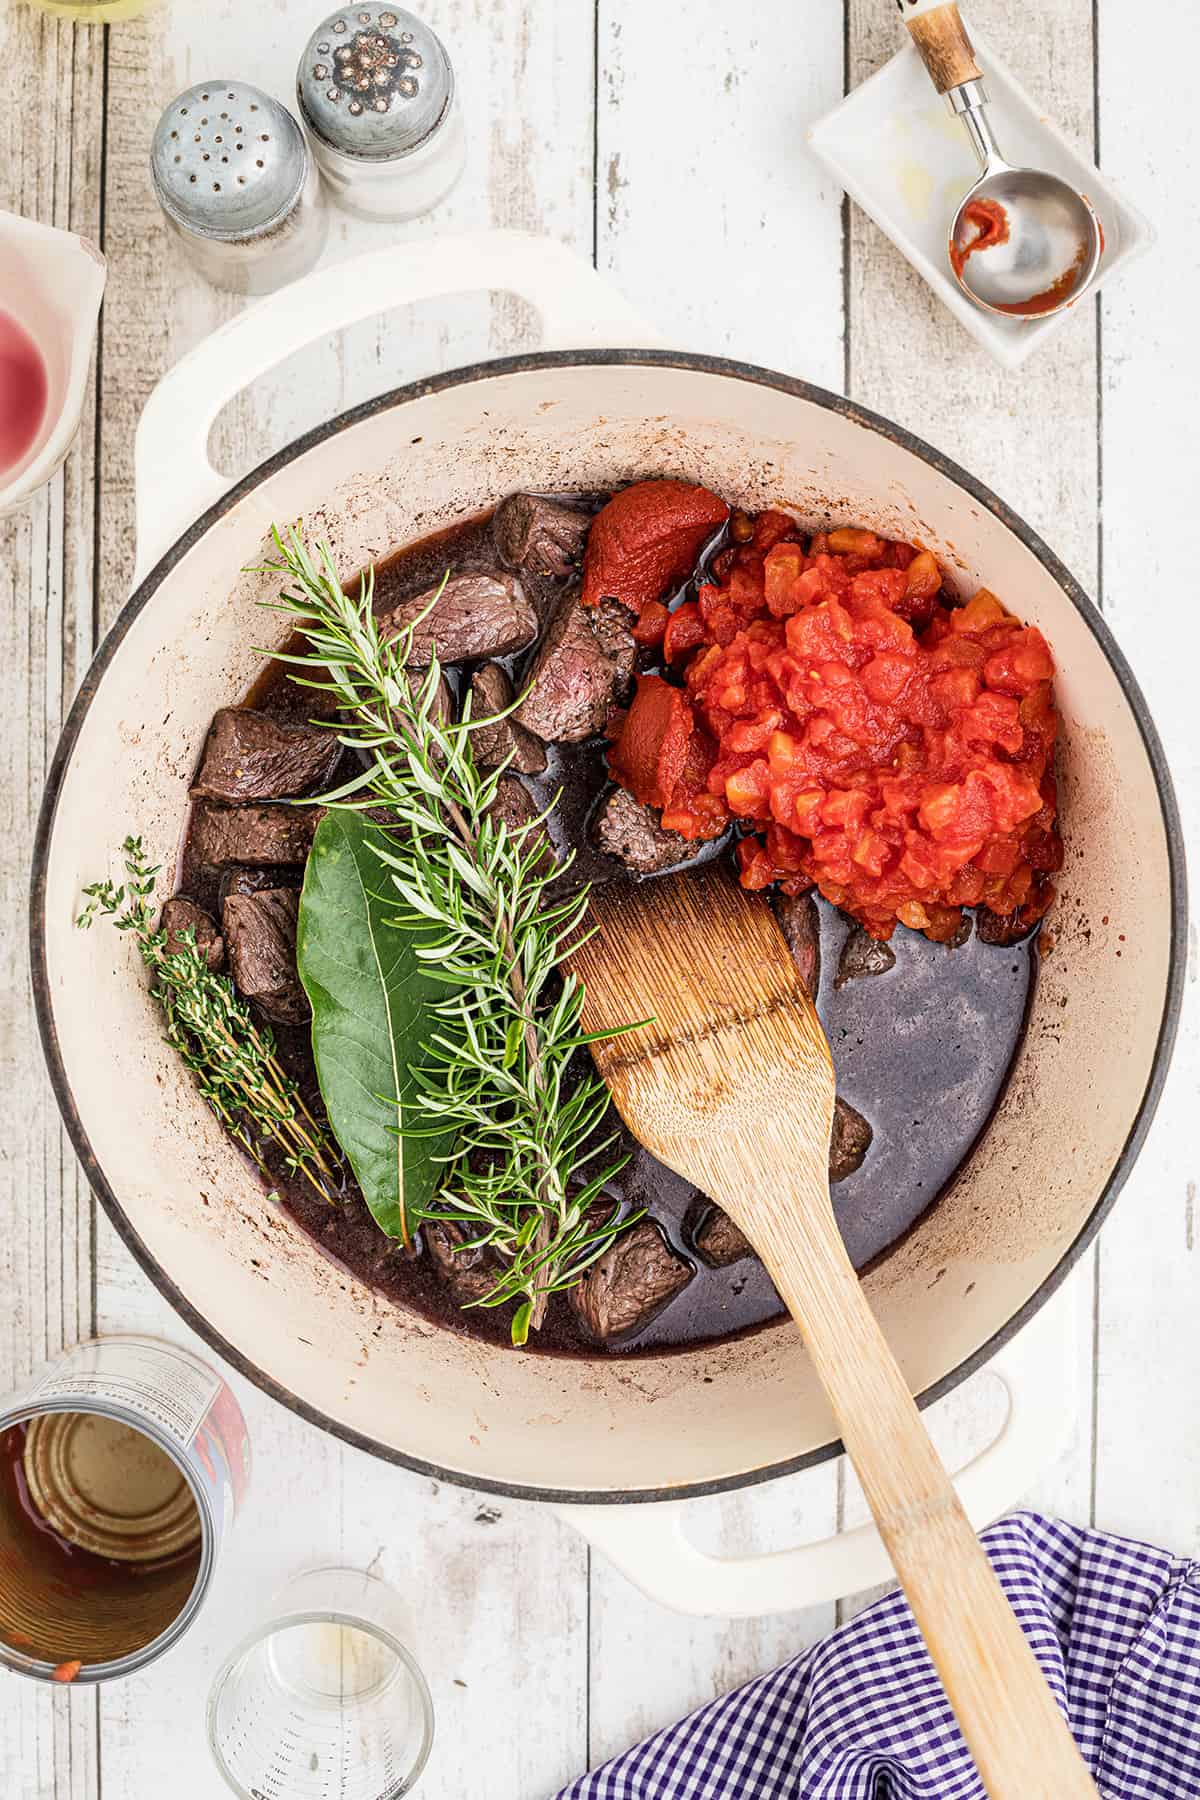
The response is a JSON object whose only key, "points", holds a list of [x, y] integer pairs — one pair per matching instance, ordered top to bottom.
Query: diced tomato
{"points": [[771, 528], [848, 541], [783, 567], [651, 623], [685, 630], [889, 748]]}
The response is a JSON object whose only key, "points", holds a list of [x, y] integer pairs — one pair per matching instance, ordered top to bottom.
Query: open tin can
{"points": [[121, 1469]]}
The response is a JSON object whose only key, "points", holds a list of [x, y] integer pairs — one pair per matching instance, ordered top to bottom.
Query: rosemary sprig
{"points": [[231, 1058], [494, 1070]]}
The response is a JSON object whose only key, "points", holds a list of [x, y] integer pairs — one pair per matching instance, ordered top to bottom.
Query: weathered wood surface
{"points": [[675, 157]]}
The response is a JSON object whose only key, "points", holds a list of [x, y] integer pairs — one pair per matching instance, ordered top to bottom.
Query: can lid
{"points": [[373, 82], [227, 161], [108, 1488]]}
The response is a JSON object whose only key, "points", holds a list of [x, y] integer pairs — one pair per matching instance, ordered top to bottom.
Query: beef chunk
{"points": [[543, 536], [474, 616], [583, 669], [442, 711], [505, 741], [250, 756], [515, 806], [631, 832], [252, 834], [255, 881], [180, 915], [801, 926], [260, 930], [863, 955], [850, 1141], [719, 1241], [469, 1274], [630, 1284]]}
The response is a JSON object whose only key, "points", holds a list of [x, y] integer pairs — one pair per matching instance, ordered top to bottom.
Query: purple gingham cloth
{"points": [[861, 1716]]}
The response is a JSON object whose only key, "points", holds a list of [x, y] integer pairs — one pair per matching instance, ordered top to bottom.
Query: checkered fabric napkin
{"points": [[861, 1716]]}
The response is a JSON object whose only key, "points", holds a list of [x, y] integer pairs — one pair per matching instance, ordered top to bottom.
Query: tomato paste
{"points": [[988, 221], [645, 542], [873, 739]]}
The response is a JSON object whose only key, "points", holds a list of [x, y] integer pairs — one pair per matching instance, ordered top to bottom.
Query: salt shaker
{"points": [[376, 92], [234, 177]]}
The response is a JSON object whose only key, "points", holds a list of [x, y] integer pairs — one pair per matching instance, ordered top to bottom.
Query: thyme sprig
{"points": [[231, 1058], [524, 1180]]}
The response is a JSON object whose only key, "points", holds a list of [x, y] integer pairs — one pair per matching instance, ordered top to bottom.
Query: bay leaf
{"points": [[371, 1003]]}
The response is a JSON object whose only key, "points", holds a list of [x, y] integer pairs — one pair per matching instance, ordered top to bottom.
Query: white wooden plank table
{"points": [[669, 147]]}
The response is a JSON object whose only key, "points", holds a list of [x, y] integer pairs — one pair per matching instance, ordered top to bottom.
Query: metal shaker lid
{"points": [[373, 82], [228, 162]]}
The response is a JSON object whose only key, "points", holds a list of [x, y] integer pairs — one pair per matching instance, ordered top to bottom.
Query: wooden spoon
{"points": [[732, 1086]]}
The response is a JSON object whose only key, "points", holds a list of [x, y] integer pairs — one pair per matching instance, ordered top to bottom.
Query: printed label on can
{"points": [[153, 1380]]}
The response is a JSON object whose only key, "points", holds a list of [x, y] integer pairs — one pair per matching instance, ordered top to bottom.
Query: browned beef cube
{"points": [[543, 536], [474, 616], [583, 669], [442, 710], [504, 741], [250, 756], [515, 806], [631, 832], [256, 835], [255, 881], [179, 915], [801, 926], [260, 930], [863, 955], [849, 1143], [719, 1241], [469, 1274], [637, 1276]]}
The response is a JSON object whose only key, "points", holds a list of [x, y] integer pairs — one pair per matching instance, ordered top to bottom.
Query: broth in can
{"points": [[121, 1469]]}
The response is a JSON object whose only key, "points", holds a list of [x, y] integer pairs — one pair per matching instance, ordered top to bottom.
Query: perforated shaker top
{"points": [[373, 82], [228, 162]]}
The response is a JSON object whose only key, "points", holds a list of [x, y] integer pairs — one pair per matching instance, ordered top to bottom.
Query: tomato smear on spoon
{"points": [[990, 221]]}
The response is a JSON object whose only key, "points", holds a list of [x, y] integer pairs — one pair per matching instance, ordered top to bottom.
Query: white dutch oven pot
{"points": [[589, 1433]]}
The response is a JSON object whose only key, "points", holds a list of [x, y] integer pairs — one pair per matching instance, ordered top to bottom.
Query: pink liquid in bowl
{"points": [[23, 388]]}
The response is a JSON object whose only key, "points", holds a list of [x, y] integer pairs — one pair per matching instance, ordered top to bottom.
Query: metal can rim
{"points": [[40, 1670]]}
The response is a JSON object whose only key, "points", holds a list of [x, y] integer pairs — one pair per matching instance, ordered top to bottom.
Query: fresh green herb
{"points": [[371, 1000], [231, 1057], [493, 1070]]}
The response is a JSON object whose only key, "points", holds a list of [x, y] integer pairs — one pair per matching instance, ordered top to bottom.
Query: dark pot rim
{"points": [[486, 371]]}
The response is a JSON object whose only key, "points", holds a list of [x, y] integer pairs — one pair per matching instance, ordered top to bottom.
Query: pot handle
{"points": [[175, 481], [651, 1547]]}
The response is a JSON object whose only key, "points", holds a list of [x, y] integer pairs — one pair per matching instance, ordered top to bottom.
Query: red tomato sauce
{"points": [[872, 737]]}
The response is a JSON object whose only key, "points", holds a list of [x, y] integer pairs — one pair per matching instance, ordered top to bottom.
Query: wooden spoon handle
{"points": [[936, 28], [1018, 1736]]}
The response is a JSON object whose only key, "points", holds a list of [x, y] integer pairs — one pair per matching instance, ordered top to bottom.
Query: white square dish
{"points": [[897, 150]]}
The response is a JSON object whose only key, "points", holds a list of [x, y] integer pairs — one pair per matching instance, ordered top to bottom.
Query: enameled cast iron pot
{"points": [[1084, 1085]]}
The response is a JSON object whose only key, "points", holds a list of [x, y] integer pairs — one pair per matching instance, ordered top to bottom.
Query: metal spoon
{"points": [[1023, 242]]}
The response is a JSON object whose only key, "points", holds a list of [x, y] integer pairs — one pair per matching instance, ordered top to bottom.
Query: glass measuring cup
{"points": [[323, 1701]]}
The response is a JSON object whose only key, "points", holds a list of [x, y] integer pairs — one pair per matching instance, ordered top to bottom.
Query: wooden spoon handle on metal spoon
{"points": [[936, 28], [1009, 1717]]}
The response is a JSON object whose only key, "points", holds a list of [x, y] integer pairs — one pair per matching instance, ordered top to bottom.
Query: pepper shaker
{"points": [[376, 92], [234, 177]]}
